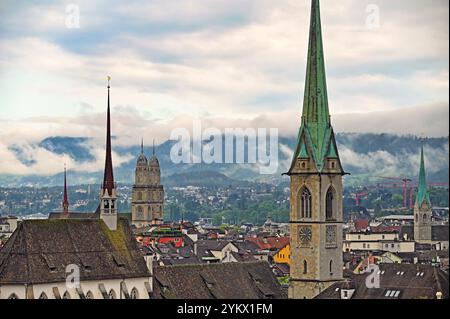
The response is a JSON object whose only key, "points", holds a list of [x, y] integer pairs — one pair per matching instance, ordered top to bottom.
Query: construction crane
{"points": [[404, 181], [414, 186], [358, 197]]}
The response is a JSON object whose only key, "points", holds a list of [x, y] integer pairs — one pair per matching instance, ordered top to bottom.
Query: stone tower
{"points": [[148, 193], [108, 196], [422, 207], [316, 216]]}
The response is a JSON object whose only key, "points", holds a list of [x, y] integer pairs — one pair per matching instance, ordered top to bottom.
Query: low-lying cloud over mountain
{"points": [[365, 156]]}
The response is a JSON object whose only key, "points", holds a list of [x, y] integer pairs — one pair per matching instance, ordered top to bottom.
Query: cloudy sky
{"points": [[231, 63]]}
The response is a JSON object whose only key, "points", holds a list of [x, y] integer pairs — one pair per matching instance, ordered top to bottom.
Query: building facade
{"points": [[147, 206], [316, 218]]}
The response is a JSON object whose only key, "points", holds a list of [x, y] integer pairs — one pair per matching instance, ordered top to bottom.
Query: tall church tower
{"points": [[148, 193], [108, 197], [422, 207], [316, 216]]}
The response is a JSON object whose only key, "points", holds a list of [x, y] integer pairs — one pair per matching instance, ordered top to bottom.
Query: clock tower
{"points": [[316, 173]]}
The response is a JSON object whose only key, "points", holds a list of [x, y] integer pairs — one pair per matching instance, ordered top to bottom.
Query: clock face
{"points": [[331, 234], [305, 235]]}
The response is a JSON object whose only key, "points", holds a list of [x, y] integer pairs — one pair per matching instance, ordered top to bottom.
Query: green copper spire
{"points": [[315, 100], [315, 130], [422, 191]]}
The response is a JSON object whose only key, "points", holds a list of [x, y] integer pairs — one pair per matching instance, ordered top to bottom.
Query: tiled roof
{"points": [[269, 242], [39, 251], [247, 280]]}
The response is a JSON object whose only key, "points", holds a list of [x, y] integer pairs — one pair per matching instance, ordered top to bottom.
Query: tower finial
{"points": [[142, 145], [153, 146]]}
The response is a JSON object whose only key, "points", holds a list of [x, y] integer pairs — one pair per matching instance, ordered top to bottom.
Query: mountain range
{"points": [[365, 156]]}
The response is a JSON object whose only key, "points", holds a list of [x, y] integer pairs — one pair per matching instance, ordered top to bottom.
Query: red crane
{"points": [[405, 181], [358, 197]]}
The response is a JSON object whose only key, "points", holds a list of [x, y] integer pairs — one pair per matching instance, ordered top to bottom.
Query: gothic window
{"points": [[139, 195], [305, 203], [329, 203], [106, 204], [112, 204], [140, 214], [417, 218], [424, 218], [331, 266], [305, 267], [112, 294], [134, 294], [66, 295], [89, 295], [43, 296]]}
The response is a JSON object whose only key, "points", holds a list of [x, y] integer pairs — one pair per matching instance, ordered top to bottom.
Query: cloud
{"points": [[229, 63], [384, 163]]}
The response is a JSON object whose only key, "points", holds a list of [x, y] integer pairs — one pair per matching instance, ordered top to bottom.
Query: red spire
{"points": [[108, 179], [65, 203]]}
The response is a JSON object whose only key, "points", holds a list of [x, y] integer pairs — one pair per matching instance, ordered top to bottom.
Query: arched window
{"points": [[139, 195], [305, 203], [329, 203], [139, 213], [417, 217], [424, 218], [331, 266], [305, 267], [134, 293], [112, 294], [66, 295], [89, 295], [13, 296], [43, 296]]}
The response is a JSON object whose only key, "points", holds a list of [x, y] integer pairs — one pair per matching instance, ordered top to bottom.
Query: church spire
{"points": [[315, 100], [316, 138], [142, 145], [153, 147], [108, 178], [422, 191], [65, 203]]}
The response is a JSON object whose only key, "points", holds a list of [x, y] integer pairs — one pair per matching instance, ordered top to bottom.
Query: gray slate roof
{"points": [[39, 251], [247, 280]]}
